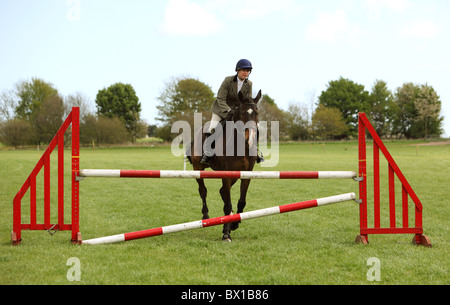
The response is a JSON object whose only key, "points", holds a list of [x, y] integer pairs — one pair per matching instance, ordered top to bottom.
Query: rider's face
{"points": [[243, 74]]}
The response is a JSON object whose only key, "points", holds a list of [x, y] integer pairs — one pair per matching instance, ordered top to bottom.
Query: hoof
{"points": [[205, 217], [226, 238]]}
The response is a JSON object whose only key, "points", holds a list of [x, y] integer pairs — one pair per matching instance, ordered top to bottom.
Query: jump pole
{"points": [[111, 173], [221, 220]]}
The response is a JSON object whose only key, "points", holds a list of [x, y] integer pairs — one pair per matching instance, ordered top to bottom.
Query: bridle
{"points": [[240, 128]]}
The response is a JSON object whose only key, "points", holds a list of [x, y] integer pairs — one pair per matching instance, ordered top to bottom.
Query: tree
{"points": [[31, 95], [182, 96], [349, 98], [79, 100], [120, 100], [179, 100], [381, 102], [39, 103], [8, 104], [428, 108], [404, 109], [268, 111], [417, 111], [49, 118], [297, 122], [328, 123], [88, 129], [103, 130], [151, 130], [111, 131], [16, 132]]}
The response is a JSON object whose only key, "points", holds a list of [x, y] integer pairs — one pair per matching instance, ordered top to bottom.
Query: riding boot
{"points": [[208, 151]]}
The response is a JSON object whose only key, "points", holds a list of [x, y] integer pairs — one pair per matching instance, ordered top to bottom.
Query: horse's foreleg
{"points": [[203, 192], [242, 202], [227, 206]]}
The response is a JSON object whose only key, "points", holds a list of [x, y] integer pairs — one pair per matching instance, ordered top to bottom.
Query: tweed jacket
{"points": [[227, 98]]}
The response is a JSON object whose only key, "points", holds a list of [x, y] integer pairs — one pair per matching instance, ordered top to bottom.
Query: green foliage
{"points": [[31, 95], [182, 97], [349, 97], [267, 99], [120, 100], [179, 100], [40, 104], [381, 105], [428, 106], [268, 111], [404, 111], [413, 111], [417, 111], [33, 112], [38, 113], [49, 118], [297, 124], [328, 124], [103, 130], [16, 132]]}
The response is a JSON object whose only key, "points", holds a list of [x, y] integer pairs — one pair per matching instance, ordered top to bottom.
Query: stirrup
{"points": [[259, 158], [205, 160]]}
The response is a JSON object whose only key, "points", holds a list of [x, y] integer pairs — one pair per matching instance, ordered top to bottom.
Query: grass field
{"points": [[314, 246]]}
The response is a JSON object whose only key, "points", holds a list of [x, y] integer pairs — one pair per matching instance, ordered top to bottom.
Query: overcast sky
{"points": [[296, 47]]}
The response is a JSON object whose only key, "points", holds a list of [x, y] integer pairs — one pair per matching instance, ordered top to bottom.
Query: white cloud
{"points": [[396, 5], [375, 7], [253, 9], [184, 17], [200, 17], [332, 27], [421, 29]]}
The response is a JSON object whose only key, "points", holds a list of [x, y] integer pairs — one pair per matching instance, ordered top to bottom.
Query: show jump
{"points": [[77, 175]]}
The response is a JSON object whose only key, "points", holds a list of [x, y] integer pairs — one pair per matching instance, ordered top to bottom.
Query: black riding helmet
{"points": [[244, 64]]}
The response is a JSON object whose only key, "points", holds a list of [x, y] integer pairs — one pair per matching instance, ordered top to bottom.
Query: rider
{"points": [[227, 98]]}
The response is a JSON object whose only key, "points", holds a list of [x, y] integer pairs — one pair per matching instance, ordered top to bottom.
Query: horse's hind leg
{"points": [[203, 192], [242, 202]]}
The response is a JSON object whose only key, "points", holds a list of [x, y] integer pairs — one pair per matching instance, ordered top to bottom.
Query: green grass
{"points": [[314, 246]]}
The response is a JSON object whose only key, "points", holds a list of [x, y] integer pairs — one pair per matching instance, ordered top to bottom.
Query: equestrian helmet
{"points": [[244, 64]]}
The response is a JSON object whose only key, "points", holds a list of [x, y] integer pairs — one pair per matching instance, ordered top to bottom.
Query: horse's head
{"points": [[247, 113]]}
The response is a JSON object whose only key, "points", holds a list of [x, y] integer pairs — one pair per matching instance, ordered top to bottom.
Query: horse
{"points": [[240, 157]]}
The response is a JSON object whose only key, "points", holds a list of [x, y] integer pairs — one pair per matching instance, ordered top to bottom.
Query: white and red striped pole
{"points": [[112, 173], [221, 220]]}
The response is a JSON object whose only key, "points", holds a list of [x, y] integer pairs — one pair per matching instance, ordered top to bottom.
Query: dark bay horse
{"points": [[235, 150]]}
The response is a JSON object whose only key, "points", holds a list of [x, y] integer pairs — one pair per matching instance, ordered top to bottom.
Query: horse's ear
{"points": [[240, 96], [257, 98]]}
